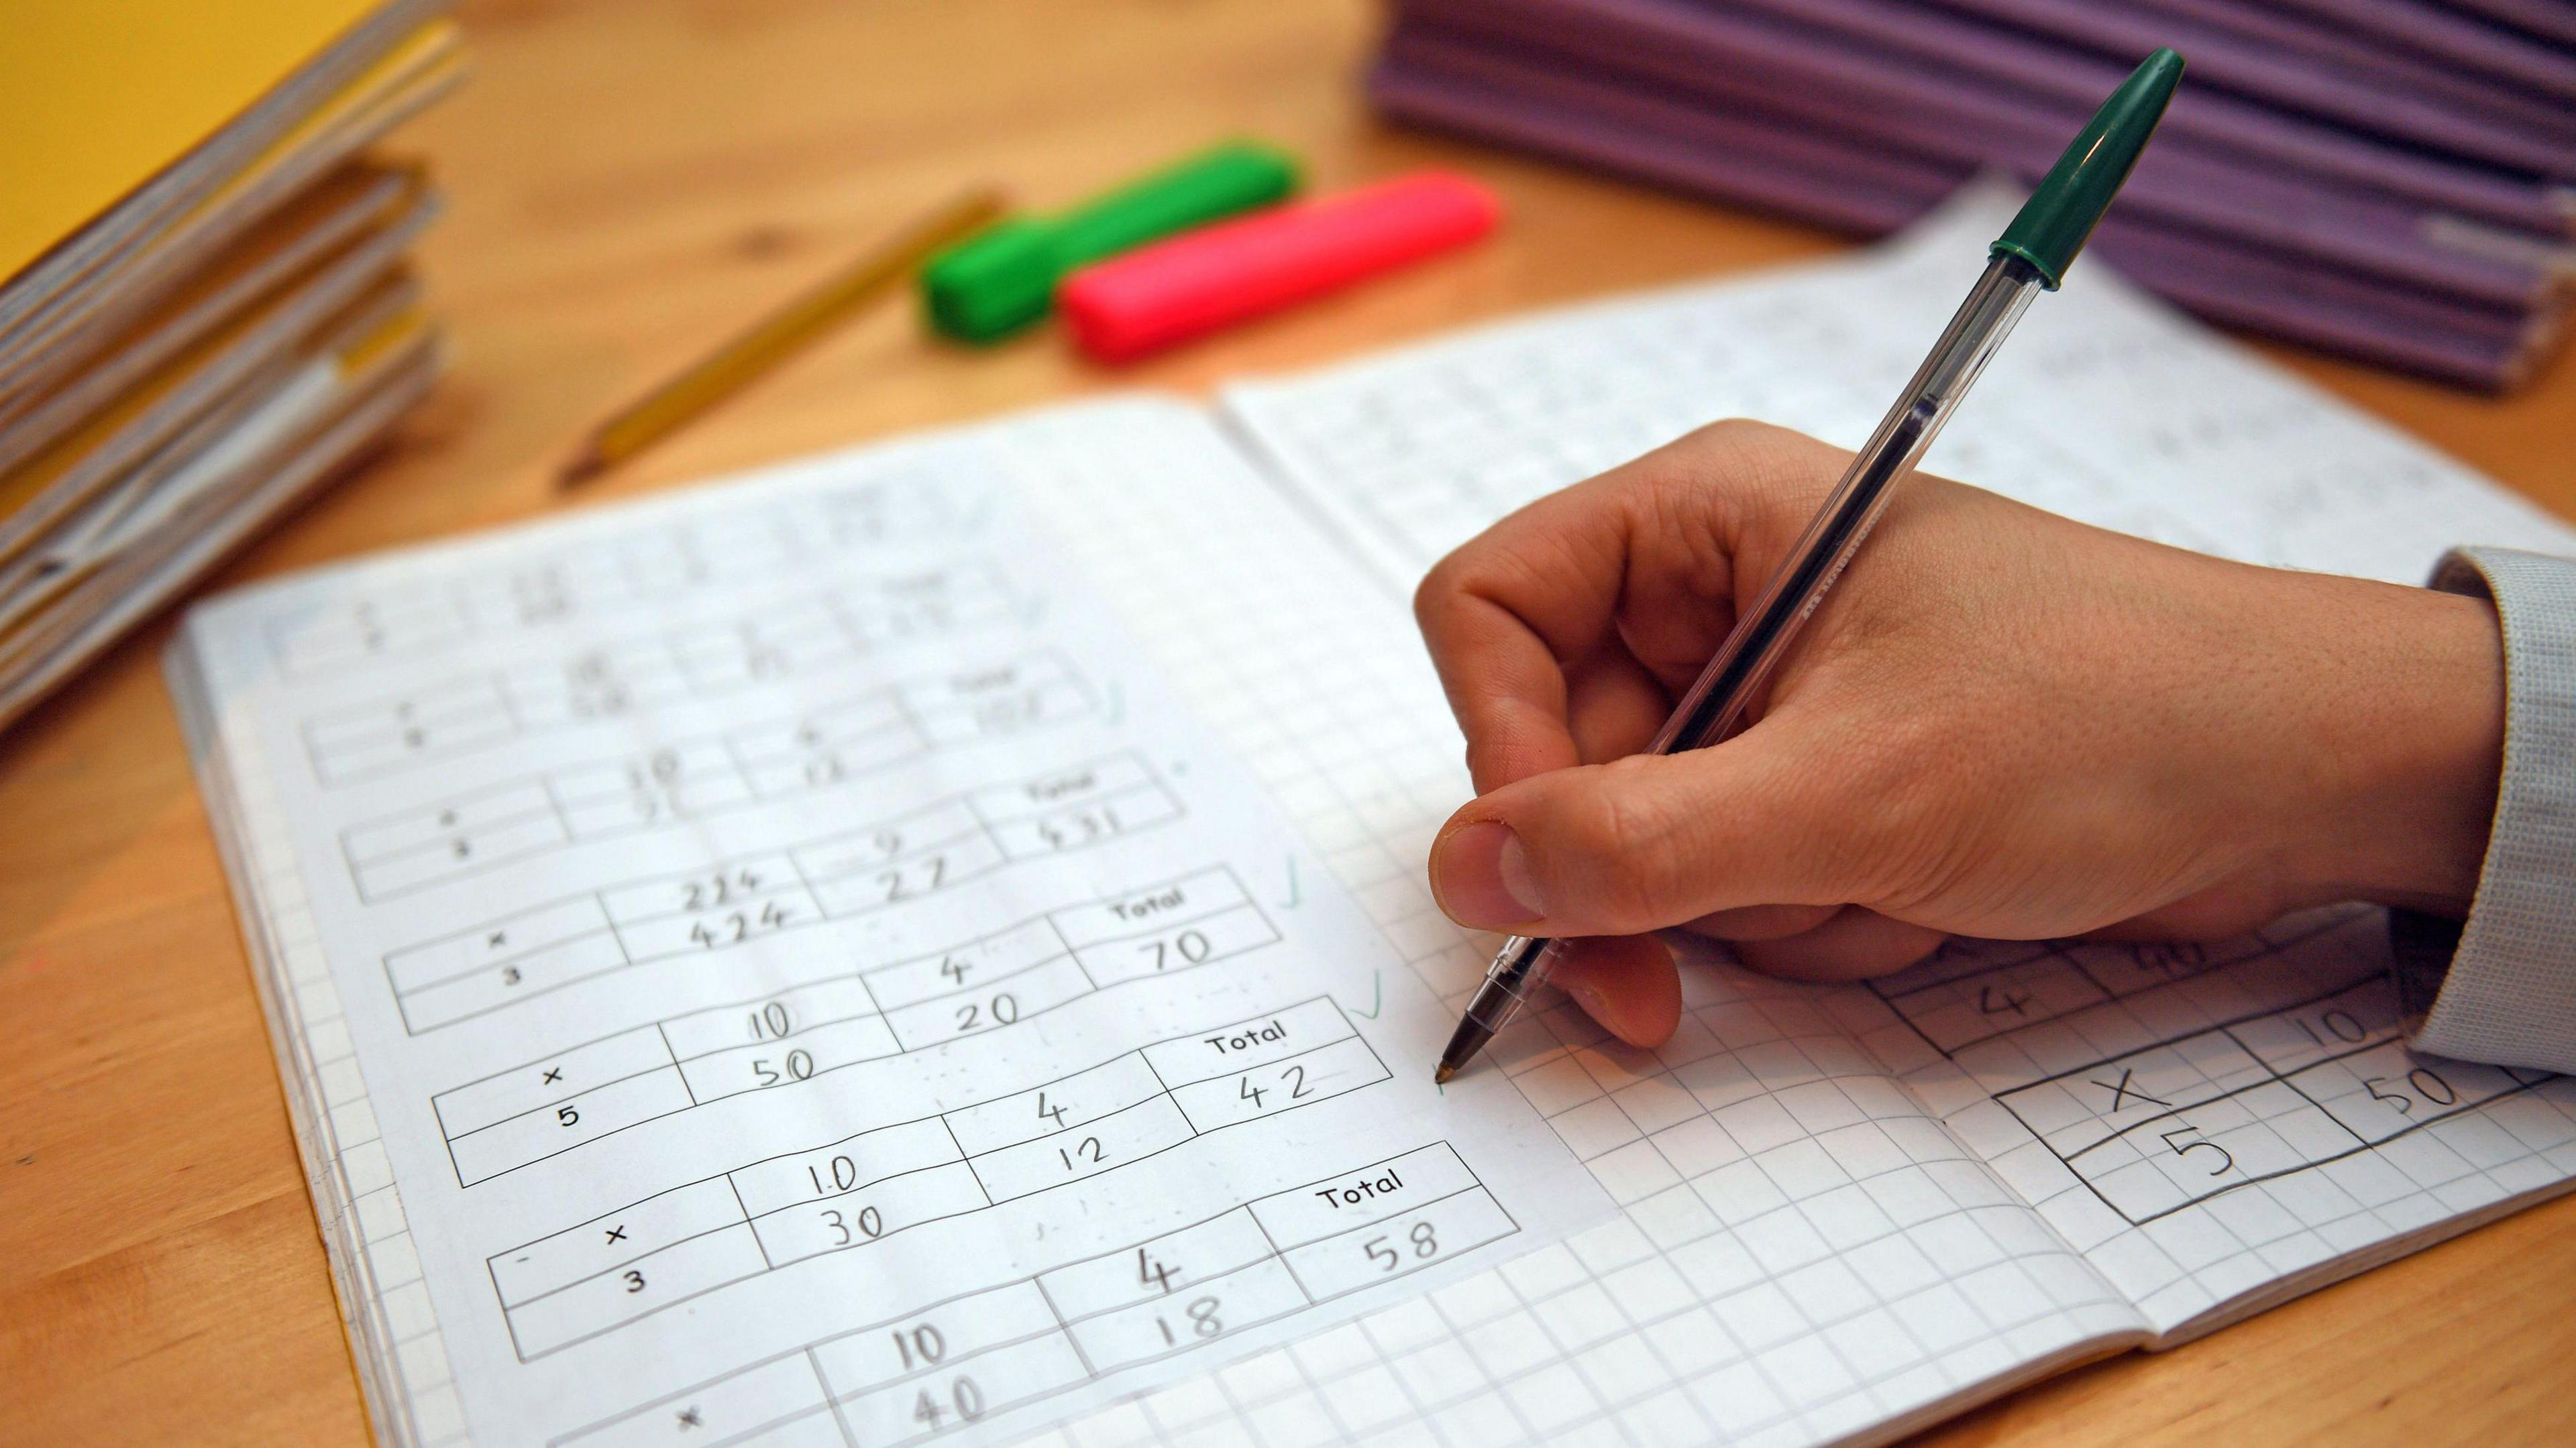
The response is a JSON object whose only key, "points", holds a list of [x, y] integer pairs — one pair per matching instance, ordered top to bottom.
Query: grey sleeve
{"points": [[2507, 992]]}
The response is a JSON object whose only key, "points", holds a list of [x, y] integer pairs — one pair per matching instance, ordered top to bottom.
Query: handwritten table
{"points": [[630, 180]]}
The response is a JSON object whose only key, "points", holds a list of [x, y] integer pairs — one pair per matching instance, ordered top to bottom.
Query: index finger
{"points": [[1636, 563]]}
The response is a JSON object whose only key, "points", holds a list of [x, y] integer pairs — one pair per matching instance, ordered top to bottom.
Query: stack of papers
{"points": [[2384, 181], [206, 306]]}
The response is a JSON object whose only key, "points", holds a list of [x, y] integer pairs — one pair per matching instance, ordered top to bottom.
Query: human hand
{"points": [[1999, 723]]}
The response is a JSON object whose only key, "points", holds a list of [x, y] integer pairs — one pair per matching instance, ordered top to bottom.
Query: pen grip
{"points": [[1714, 707]]}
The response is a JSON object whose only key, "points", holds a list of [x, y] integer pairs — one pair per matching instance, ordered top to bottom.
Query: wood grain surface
{"points": [[629, 181]]}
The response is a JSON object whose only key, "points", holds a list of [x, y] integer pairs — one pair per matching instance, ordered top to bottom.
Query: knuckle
{"points": [[1437, 587], [1621, 862]]}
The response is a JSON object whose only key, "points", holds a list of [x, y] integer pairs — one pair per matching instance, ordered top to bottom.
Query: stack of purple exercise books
{"points": [[2393, 180]]}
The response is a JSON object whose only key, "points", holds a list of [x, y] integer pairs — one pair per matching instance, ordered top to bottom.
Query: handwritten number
{"points": [[2184, 1149]]}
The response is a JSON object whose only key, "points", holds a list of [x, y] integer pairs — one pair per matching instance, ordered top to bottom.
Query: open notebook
{"points": [[929, 943]]}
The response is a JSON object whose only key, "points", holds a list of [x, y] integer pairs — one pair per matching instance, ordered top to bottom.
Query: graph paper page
{"points": [[2106, 406], [796, 973], [2213, 1127], [1802, 1252]]}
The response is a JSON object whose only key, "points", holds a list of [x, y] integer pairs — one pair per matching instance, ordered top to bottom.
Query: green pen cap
{"points": [[2054, 223], [1004, 278]]}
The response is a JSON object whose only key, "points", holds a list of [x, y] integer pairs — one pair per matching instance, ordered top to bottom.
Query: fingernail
{"points": [[1482, 877]]}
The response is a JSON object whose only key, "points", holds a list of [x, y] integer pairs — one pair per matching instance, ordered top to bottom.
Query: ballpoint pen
{"points": [[2032, 255]]}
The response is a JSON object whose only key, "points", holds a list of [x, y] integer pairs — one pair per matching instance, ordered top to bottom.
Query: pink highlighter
{"points": [[1196, 283]]}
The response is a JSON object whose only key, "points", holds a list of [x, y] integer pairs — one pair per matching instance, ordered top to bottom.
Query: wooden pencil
{"points": [[883, 269]]}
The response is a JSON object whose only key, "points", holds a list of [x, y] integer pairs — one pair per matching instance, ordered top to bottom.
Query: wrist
{"points": [[2407, 747]]}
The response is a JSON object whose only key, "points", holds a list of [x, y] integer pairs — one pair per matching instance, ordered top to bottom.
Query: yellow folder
{"points": [[98, 96]]}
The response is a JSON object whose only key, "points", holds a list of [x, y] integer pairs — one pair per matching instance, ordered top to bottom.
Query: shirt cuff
{"points": [[2509, 994]]}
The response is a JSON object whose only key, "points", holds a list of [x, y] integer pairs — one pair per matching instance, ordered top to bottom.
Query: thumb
{"points": [[1648, 841]]}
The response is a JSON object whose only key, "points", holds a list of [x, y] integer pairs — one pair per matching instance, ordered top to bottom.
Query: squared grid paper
{"points": [[2106, 406], [2109, 408], [2208, 1124], [1804, 1252], [375, 1272], [400, 1354]]}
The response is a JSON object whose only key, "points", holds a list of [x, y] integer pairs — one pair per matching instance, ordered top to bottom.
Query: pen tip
{"points": [[1441, 1073]]}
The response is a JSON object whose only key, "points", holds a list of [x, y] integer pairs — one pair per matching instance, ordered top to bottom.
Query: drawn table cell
{"points": [[922, 605], [784, 639], [314, 640], [607, 682], [997, 702], [850, 722], [392, 734], [826, 746], [600, 801], [470, 816], [1073, 826], [910, 835], [460, 853], [923, 870], [747, 881], [1149, 910], [744, 918], [496, 943], [1178, 945], [970, 966], [2128, 968], [531, 973], [998, 1002], [1971, 1008], [779, 1016], [2319, 1030], [1230, 1050], [719, 1074], [558, 1078], [1302, 1080], [2386, 1090], [1075, 1100], [2079, 1110], [559, 1126], [1086, 1151], [2180, 1157], [844, 1166], [1328, 1208], [873, 1211], [1404, 1242], [604, 1244], [1156, 1269], [645, 1285], [1189, 1317], [952, 1332], [961, 1391], [772, 1395]]}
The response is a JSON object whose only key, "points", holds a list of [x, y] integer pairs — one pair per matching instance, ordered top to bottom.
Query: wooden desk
{"points": [[631, 180]]}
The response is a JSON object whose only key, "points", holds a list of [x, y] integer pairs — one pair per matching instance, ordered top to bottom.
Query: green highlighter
{"points": [[996, 283]]}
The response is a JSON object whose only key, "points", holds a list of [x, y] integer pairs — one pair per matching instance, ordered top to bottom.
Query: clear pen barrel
{"points": [[1713, 709], [1521, 967]]}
